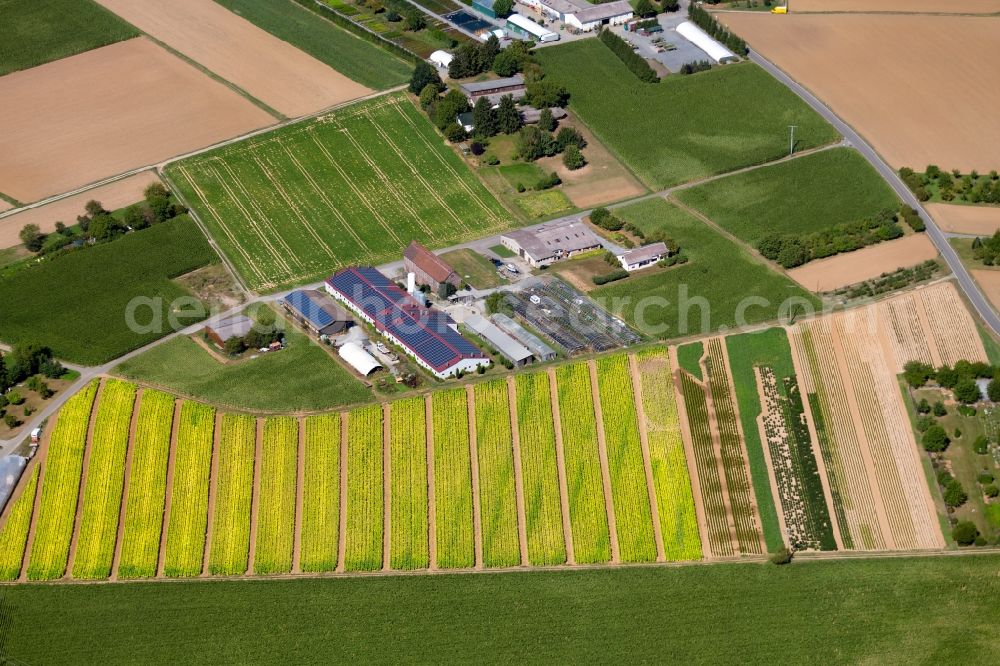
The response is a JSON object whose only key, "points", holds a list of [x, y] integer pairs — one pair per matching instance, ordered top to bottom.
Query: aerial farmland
{"points": [[400, 331]]}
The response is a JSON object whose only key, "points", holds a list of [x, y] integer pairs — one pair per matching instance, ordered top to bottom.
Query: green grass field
{"points": [[34, 32], [352, 56], [685, 127], [352, 187], [804, 195], [474, 268], [710, 288], [77, 304], [181, 365], [890, 611]]}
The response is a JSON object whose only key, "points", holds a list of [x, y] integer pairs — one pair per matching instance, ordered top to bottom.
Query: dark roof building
{"points": [[494, 89], [429, 268], [316, 311], [221, 330], [428, 335]]}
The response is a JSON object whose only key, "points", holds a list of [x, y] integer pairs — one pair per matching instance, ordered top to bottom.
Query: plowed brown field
{"points": [[908, 6], [268, 68], [914, 86], [106, 111], [112, 196], [983, 220], [870, 262], [989, 282]]}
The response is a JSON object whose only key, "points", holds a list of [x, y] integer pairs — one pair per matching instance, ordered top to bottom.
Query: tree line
{"points": [[716, 30], [632, 60], [98, 225], [29, 363]]}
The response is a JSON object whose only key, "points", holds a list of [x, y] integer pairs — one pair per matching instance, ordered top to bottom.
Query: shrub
{"points": [[454, 132], [572, 158], [491, 160], [548, 182], [604, 219], [619, 274], [966, 391], [15, 398], [923, 407], [940, 409], [11, 421], [924, 422], [935, 439], [981, 445], [991, 490], [954, 495], [964, 533], [781, 556]]}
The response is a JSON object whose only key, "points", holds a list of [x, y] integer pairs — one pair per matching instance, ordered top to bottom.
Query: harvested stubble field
{"points": [[901, 6], [269, 69], [936, 99], [73, 122], [716, 122], [350, 187], [112, 196], [982, 220], [867, 263]]}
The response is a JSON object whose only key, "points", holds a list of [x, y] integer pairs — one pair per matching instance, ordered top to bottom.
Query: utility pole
{"points": [[791, 139]]}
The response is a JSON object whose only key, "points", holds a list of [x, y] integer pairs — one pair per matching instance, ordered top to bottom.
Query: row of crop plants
{"points": [[578, 424], [236, 448], [539, 469], [408, 471], [900, 476], [452, 480], [672, 481], [738, 484], [147, 486], [61, 487], [800, 488], [189, 490], [497, 492], [320, 494], [102, 495], [854, 500], [276, 506], [633, 517], [14, 536], [720, 537], [363, 550]]}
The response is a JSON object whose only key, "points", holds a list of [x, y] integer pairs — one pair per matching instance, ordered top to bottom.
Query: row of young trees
{"points": [[719, 32], [635, 63], [99, 225]]}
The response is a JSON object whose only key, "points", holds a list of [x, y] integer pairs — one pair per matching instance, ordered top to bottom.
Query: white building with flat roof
{"points": [[583, 15]]}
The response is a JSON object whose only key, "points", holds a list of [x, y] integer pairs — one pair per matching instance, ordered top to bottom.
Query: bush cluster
{"points": [[707, 22], [635, 63], [695, 67], [972, 187], [911, 217], [603, 218], [987, 250], [792, 251], [618, 274], [892, 281], [960, 379], [954, 495]]}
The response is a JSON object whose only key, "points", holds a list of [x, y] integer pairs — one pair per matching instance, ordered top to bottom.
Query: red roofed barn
{"points": [[430, 269]]}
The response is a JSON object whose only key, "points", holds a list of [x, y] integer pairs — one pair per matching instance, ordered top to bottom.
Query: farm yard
{"points": [[831, 55], [258, 63], [118, 118], [703, 137], [351, 187]]}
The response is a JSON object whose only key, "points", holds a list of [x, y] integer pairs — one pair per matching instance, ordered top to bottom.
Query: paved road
{"points": [[940, 240]]}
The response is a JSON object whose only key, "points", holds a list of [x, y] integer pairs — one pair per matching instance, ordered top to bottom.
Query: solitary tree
{"points": [[503, 8], [424, 74], [484, 119], [573, 158], [32, 237], [993, 389], [967, 391], [935, 439], [965, 532]]}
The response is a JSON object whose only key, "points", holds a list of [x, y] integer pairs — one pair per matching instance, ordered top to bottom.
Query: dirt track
{"points": [[912, 6], [871, 70], [275, 72], [106, 111], [113, 195], [983, 220], [852, 267]]}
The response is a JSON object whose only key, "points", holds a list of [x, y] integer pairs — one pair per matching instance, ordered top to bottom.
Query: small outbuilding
{"points": [[441, 59], [641, 257], [316, 311], [236, 326], [509, 348], [538, 348], [358, 358]]}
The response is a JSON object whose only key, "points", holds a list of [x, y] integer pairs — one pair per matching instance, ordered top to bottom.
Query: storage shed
{"points": [[706, 43], [316, 311], [224, 328], [509, 348], [359, 359]]}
